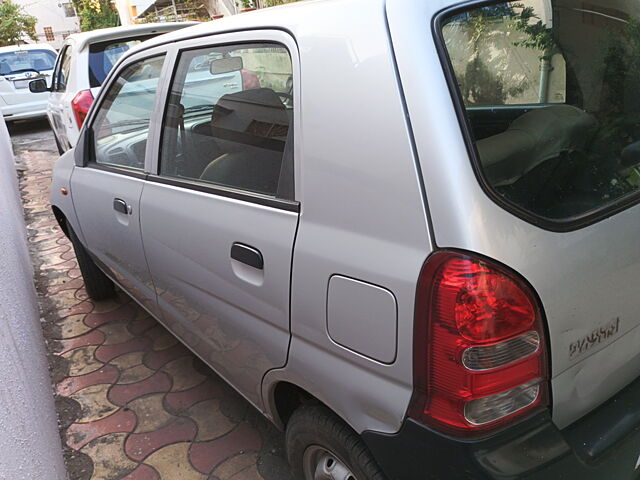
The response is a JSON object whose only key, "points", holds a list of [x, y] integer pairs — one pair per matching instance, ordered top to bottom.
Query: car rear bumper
{"points": [[23, 111], [603, 444]]}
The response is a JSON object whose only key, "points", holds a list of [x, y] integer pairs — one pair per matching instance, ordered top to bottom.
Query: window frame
{"points": [[208, 41], [67, 49], [88, 155], [570, 224]]}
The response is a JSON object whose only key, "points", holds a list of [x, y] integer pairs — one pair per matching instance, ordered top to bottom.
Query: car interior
{"points": [[241, 141], [558, 160]]}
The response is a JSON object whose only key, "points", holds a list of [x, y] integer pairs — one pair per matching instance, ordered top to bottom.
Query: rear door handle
{"points": [[121, 206], [247, 255]]}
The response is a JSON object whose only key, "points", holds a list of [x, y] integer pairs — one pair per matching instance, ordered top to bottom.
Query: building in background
{"points": [[141, 11], [56, 19]]}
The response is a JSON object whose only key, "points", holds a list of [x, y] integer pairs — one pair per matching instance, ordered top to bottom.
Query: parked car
{"points": [[84, 62], [19, 65], [414, 249]]}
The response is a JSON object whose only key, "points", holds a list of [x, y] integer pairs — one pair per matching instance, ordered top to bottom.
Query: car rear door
{"points": [[106, 191], [219, 215]]}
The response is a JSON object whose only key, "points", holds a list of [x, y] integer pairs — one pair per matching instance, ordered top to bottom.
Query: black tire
{"points": [[97, 284], [316, 426]]}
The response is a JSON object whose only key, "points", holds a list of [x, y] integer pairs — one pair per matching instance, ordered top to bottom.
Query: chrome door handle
{"points": [[121, 206]]}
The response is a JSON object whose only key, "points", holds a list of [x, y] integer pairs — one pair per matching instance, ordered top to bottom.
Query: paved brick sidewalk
{"points": [[133, 402]]}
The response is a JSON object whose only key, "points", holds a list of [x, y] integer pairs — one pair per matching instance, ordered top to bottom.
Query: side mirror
{"points": [[225, 65], [38, 86]]}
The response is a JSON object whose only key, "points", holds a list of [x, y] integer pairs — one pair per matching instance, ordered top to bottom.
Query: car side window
{"points": [[61, 73], [228, 119], [121, 125]]}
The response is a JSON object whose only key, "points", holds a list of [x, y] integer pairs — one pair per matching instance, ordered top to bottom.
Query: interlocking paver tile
{"points": [[116, 312], [141, 325], [72, 326], [116, 332], [95, 337], [161, 338], [104, 353], [156, 360], [82, 361], [183, 373], [135, 374], [70, 385], [123, 394], [186, 398], [94, 403], [150, 413], [212, 423], [79, 434], [140, 445], [206, 456], [109, 459], [173, 462], [240, 467], [143, 472]]}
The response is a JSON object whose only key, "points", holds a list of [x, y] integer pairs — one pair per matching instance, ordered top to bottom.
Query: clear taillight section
{"points": [[80, 105], [480, 354]]}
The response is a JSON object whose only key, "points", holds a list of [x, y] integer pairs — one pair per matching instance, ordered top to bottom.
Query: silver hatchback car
{"points": [[407, 232]]}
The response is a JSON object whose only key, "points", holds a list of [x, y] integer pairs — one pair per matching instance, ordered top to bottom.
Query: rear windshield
{"points": [[104, 55], [26, 61], [551, 91]]}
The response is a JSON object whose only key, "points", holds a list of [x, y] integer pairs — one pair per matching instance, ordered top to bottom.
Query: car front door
{"points": [[55, 107], [106, 191], [219, 218]]}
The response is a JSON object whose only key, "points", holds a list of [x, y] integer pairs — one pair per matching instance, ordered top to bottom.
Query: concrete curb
{"points": [[30, 444]]}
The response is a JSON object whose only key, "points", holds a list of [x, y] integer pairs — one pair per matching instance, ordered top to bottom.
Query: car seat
{"points": [[251, 129], [533, 138]]}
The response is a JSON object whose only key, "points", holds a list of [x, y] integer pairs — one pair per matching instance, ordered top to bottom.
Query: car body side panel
{"points": [[61, 178], [363, 216], [585, 278]]}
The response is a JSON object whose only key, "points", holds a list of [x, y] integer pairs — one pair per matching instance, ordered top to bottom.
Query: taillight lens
{"points": [[81, 104], [480, 353]]}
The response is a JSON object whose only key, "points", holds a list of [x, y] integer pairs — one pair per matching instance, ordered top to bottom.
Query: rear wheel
{"points": [[97, 284], [320, 446]]}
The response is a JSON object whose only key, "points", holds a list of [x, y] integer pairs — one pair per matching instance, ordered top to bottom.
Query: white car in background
{"points": [[83, 63], [19, 65]]}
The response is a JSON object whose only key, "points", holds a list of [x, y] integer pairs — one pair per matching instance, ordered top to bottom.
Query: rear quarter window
{"points": [[104, 55], [549, 90]]}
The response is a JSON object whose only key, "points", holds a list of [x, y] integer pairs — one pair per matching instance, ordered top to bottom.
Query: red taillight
{"points": [[250, 80], [81, 104], [480, 356]]}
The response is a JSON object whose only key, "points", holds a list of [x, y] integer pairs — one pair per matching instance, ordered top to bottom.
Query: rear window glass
{"points": [[104, 55], [26, 61], [550, 90]]}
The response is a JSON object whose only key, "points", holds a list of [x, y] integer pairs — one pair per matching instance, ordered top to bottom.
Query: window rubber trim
{"points": [[268, 143], [129, 172], [227, 192], [256, 198], [569, 224]]}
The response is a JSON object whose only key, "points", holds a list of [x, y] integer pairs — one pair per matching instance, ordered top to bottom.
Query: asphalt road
{"points": [[133, 403]]}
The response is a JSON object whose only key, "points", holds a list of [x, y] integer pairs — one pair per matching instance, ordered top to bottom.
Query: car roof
{"points": [[284, 17], [84, 38], [27, 46]]}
